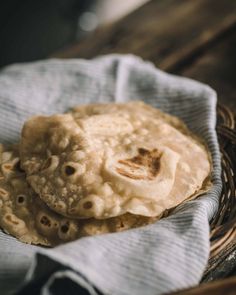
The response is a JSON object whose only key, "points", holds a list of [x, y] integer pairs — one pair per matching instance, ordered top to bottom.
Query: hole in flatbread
{"points": [[69, 170], [21, 199], [88, 205], [122, 224], [64, 228], [68, 230]]}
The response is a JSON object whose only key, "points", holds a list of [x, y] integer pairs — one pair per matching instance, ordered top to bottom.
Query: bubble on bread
{"points": [[143, 155]]}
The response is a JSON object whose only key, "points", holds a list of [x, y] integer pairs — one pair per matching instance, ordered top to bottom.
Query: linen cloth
{"points": [[156, 259]]}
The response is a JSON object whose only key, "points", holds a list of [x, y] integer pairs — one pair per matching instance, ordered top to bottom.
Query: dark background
{"points": [[31, 29]]}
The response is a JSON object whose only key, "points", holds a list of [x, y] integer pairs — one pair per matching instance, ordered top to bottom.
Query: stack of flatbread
{"points": [[99, 168]]}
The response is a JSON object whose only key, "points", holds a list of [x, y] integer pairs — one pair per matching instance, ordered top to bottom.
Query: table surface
{"points": [[196, 39]]}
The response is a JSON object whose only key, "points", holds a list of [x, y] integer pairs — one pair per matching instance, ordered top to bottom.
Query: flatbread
{"points": [[105, 160], [16, 203], [26, 217]]}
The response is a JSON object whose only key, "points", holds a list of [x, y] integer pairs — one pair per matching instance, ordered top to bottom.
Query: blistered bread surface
{"points": [[105, 160], [25, 216]]}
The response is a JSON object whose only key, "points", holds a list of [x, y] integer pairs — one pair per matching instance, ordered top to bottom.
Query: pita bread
{"points": [[105, 160]]}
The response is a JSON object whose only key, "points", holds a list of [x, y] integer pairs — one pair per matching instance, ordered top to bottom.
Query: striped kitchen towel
{"points": [[156, 259]]}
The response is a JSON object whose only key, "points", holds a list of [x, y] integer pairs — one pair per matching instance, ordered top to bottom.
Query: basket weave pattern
{"points": [[223, 225]]}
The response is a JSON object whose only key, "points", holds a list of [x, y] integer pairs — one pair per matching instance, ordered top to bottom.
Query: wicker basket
{"points": [[223, 225]]}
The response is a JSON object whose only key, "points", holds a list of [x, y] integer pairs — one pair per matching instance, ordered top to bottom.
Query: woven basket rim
{"points": [[223, 224]]}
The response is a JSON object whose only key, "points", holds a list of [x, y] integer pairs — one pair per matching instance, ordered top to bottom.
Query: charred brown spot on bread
{"points": [[143, 151], [145, 159], [47, 164], [69, 170], [129, 174], [88, 205], [45, 221]]}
